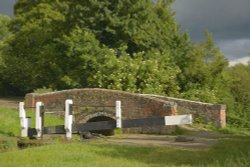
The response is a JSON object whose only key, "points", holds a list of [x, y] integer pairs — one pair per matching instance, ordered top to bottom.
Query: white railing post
{"points": [[118, 114], [68, 118], [38, 119], [23, 120]]}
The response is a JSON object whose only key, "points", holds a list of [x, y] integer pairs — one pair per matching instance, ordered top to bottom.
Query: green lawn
{"points": [[10, 121], [231, 151]]}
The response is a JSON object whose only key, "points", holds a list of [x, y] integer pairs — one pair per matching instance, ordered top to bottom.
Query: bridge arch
{"points": [[97, 118]]}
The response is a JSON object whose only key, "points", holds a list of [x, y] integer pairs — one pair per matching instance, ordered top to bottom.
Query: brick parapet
{"points": [[209, 113]]}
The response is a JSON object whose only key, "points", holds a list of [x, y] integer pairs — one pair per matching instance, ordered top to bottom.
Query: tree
{"points": [[140, 25], [4, 34], [56, 41], [132, 45], [32, 53], [135, 74], [202, 74], [240, 89]]}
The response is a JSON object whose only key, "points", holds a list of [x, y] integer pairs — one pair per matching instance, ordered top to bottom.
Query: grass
{"points": [[49, 120], [9, 122], [10, 126], [230, 151], [233, 152]]}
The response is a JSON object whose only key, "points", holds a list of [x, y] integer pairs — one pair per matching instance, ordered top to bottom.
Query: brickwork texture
{"points": [[94, 102]]}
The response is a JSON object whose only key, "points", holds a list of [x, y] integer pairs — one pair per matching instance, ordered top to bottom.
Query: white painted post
{"points": [[118, 114], [38, 119], [68, 119], [23, 120]]}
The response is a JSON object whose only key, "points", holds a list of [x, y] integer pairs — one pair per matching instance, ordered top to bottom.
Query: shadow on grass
{"points": [[235, 151]]}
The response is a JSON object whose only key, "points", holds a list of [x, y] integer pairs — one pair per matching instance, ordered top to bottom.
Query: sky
{"points": [[227, 20]]}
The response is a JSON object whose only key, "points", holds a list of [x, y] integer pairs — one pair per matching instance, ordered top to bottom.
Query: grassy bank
{"points": [[9, 122], [10, 126], [230, 151]]}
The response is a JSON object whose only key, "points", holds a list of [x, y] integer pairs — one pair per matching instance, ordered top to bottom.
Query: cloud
{"points": [[6, 7], [226, 19], [235, 49], [244, 60]]}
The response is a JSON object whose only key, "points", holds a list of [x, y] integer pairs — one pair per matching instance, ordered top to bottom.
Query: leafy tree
{"points": [[140, 25], [4, 34], [55, 42], [32, 52], [134, 74], [152, 75], [202, 75], [240, 89]]}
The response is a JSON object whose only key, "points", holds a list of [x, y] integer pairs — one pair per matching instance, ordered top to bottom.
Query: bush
{"points": [[43, 90]]}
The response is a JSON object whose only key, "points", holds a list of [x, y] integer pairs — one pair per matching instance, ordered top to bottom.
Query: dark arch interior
{"points": [[108, 132]]}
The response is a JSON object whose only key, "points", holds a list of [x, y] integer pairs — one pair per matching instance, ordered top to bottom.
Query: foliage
{"points": [[140, 25], [4, 31], [4, 34], [66, 44], [35, 63], [202, 78], [43, 90], [239, 112]]}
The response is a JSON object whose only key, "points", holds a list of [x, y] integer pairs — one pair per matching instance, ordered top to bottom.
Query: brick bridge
{"points": [[92, 104]]}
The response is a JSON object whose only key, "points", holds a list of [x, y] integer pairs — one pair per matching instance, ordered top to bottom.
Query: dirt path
{"points": [[10, 102], [182, 141]]}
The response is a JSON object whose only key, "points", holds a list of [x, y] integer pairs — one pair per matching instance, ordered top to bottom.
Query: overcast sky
{"points": [[228, 20]]}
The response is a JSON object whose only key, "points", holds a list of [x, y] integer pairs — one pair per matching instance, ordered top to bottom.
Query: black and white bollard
{"points": [[118, 114], [68, 118], [39, 119], [23, 120]]}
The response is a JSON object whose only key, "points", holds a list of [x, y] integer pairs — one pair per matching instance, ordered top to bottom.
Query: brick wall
{"points": [[89, 103], [203, 112]]}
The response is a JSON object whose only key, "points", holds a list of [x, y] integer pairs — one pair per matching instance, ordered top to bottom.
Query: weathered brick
{"points": [[89, 103]]}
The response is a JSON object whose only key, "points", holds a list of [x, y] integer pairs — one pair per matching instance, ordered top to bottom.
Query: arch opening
{"points": [[108, 132]]}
